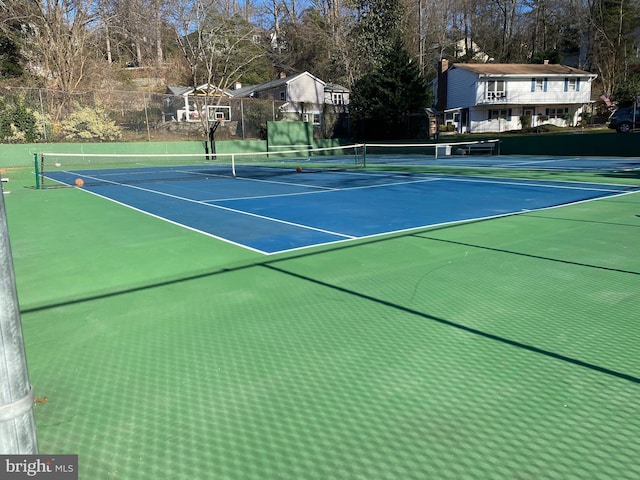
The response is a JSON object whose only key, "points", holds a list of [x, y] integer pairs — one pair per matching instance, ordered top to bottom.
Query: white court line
{"points": [[531, 162], [192, 173], [277, 182], [531, 184], [327, 189], [200, 202], [453, 222], [178, 224]]}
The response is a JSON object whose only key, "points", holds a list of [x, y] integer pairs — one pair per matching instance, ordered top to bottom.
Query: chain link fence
{"points": [[43, 115]]}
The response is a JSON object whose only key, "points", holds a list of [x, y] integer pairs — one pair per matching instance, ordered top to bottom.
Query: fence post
{"points": [[146, 116], [242, 116], [44, 123], [17, 425]]}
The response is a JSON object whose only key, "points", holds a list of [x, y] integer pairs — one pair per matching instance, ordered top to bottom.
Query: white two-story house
{"points": [[304, 95], [300, 97], [478, 98]]}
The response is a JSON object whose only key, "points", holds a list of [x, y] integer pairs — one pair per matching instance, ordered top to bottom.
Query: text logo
{"points": [[49, 467]]}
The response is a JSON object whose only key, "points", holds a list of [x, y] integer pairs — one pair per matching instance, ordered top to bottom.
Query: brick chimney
{"points": [[441, 100]]}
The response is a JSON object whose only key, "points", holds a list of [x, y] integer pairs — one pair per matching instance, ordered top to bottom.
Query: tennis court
{"points": [[283, 207], [432, 322]]}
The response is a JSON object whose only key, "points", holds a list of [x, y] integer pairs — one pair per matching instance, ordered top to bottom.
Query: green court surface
{"points": [[498, 349]]}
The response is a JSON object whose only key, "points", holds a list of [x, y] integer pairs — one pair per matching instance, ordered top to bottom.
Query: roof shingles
{"points": [[520, 69]]}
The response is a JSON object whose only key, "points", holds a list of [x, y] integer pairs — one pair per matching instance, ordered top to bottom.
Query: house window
{"points": [[571, 84], [538, 85], [496, 90], [283, 95], [338, 99], [556, 112], [499, 114], [311, 117], [451, 118]]}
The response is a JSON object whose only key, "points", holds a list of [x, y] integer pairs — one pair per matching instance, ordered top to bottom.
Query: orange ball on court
{"points": [[79, 182]]}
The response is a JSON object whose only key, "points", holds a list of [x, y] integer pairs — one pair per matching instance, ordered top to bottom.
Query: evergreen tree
{"points": [[12, 25], [377, 27], [551, 56], [9, 58], [627, 92], [383, 99]]}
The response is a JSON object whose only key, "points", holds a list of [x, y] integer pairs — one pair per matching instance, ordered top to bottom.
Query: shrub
{"points": [[17, 122], [89, 124]]}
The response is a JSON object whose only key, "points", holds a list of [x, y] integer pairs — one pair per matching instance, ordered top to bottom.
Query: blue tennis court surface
{"points": [[583, 164], [277, 213]]}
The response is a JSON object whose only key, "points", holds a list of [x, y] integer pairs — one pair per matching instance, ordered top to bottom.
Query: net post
{"points": [[364, 155], [233, 165], [36, 167], [17, 424]]}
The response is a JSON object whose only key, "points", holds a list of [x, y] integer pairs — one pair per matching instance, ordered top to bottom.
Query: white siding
{"points": [[302, 88], [305, 88], [461, 88], [518, 91], [564, 96], [479, 121]]}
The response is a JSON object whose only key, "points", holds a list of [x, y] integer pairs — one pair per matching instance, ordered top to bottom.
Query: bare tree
{"points": [[133, 30], [63, 41], [613, 42], [218, 48]]}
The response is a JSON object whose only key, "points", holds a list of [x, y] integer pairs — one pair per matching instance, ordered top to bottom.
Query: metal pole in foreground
{"points": [[17, 425]]}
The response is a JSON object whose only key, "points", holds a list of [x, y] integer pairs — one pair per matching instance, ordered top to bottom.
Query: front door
{"points": [[530, 112]]}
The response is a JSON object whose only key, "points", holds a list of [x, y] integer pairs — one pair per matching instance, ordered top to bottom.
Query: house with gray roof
{"points": [[304, 96], [299, 97], [493, 97]]}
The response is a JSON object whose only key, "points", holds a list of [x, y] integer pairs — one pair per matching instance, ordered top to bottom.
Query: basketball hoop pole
{"points": [[212, 137], [17, 425]]}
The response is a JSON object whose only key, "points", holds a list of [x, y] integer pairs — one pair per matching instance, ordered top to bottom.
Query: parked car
{"points": [[624, 120]]}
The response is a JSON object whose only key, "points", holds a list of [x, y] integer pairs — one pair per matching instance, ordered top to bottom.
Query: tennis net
{"points": [[418, 153], [55, 169]]}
